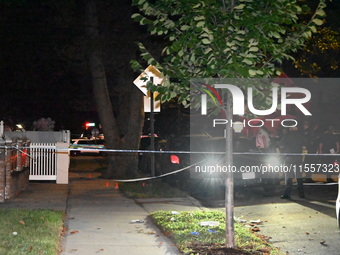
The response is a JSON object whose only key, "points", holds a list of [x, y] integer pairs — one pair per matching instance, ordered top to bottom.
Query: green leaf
{"points": [[139, 2], [196, 6], [239, 7], [298, 8], [320, 13], [136, 16], [236, 17], [197, 18], [144, 21], [318, 22], [200, 23], [184, 27], [230, 29], [313, 29], [307, 34], [205, 35], [276, 35], [172, 37], [240, 39], [206, 41], [230, 44], [253, 49], [166, 50], [207, 50], [250, 55], [151, 61], [247, 61], [135, 65], [223, 72], [252, 72], [173, 94], [158, 97]]}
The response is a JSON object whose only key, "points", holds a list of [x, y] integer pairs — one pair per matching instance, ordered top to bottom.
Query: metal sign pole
{"points": [[152, 74], [152, 130], [229, 181]]}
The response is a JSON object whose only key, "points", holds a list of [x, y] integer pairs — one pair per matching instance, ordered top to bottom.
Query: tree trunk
{"points": [[134, 131], [128, 136]]}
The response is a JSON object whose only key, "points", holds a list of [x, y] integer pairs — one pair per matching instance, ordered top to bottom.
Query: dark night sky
{"points": [[43, 65], [43, 73]]}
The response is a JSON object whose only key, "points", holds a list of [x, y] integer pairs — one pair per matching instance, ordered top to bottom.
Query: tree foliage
{"points": [[223, 39], [320, 56]]}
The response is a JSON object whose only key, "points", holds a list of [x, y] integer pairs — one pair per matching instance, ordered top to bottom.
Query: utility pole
{"points": [[229, 180]]}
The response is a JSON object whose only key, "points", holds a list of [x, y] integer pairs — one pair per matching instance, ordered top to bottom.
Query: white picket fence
{"points": [[48, 153], [43, 161]]}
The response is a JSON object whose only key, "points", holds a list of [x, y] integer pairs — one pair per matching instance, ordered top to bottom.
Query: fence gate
{"points": [[43, 161]]}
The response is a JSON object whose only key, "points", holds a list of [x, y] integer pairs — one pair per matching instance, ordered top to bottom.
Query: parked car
{"points": [[88, 146], [203, 183], [338, 203]]}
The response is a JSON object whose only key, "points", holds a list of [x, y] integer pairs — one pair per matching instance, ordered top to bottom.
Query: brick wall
{"points": [[14, 168], [2, 174]]}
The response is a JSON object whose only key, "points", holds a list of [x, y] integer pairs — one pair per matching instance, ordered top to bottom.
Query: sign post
{"points": [[153, 75], [152, 131], [229, 180]]}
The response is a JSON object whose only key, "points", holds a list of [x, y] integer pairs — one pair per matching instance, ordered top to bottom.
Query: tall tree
{"points": [[223, 39], [99, 83], [118, 135]]}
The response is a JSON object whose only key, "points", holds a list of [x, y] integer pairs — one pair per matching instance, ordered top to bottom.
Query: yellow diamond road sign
{"points": [[150, 71]]}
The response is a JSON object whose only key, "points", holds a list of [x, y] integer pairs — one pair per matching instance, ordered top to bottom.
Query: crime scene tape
{"points": [[174, 152], [158, 176]]}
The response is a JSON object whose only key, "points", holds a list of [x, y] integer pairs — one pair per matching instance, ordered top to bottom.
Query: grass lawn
{"points": [[185, 230], [35, 232], [192, 238]]}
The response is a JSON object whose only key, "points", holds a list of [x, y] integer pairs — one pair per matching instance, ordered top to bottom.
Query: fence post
{"points": [[2, 129], [63, 163]]}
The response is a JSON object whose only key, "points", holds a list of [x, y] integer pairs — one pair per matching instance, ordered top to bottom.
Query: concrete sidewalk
{"points": [[100, 220]]}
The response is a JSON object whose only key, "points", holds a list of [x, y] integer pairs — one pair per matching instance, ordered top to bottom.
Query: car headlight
{"points": [[273, 161]]}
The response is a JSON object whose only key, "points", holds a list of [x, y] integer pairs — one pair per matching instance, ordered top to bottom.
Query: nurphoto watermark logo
{"points": [[259, 112]]}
